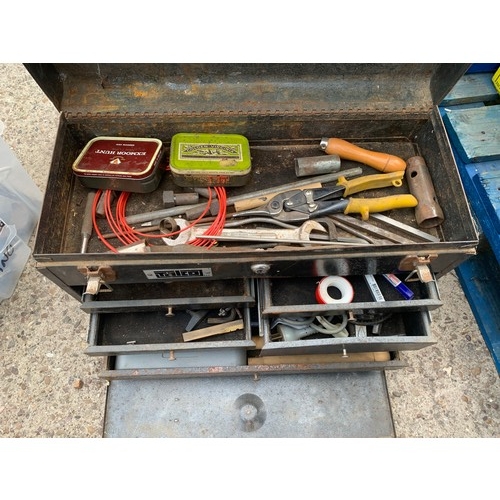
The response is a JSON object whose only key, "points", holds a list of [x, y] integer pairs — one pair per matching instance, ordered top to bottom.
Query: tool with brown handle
{"points": [[384, 162]]}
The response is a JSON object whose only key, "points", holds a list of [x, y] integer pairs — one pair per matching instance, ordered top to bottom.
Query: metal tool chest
{"points": [[144, 300]]}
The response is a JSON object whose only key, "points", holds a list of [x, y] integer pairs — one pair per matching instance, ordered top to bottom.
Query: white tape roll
{"points": [[341, 284]]}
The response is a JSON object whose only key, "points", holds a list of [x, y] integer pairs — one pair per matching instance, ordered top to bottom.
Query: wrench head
{"points": [[308, 227], [183, 237]]}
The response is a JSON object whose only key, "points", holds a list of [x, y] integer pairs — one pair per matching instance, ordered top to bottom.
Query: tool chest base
{"points": [[338, 405]]}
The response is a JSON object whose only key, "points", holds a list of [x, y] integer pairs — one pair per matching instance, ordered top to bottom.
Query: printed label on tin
{"points": [[210, 152], [115, 157], [161, 274]]}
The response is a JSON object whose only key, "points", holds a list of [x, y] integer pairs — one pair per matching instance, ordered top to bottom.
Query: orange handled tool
{"points": [[348, 151]]}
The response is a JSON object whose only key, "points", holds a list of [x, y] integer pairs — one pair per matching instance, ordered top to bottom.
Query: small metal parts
{"points": [[316, 165], [173, 199], [205, 323]]}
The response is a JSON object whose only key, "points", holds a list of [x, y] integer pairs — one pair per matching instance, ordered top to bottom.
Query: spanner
{"points": [[300, 234]]}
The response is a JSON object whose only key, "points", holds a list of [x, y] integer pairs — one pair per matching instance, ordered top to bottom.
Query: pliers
{"points": [[303, 204]]}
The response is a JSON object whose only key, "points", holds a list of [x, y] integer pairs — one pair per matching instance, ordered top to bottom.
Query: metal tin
{"points": [[202, 160], [120, 164]]}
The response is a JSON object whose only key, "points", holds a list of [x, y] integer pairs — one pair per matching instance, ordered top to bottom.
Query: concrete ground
{"points": [[49, 388]]}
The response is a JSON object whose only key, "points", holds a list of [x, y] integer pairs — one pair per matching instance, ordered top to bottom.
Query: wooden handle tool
{"points": [[381, 161]]}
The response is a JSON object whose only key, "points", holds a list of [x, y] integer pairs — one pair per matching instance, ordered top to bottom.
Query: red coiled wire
{"points": [[128, 235]]}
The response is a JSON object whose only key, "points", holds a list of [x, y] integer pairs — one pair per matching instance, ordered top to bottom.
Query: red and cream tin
{"points": [[120, 164]]}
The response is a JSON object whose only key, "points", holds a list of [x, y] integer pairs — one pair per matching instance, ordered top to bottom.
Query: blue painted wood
{"points": [[482, 68], [475, 87], [475, 132], [487, 182], [480, 204], [480, 274], [480, 278]]}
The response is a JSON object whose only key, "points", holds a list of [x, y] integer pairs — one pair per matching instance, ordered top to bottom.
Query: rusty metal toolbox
{"points": [[284, 110]]}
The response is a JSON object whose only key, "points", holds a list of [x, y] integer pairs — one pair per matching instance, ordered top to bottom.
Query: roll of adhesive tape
{"points": [[341, 284]]}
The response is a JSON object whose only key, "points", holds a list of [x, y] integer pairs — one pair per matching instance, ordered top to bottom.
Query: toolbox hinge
{"points": [[418, 267], [97, 278]]}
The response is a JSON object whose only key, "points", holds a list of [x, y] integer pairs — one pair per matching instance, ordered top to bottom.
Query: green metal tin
{"points": [[203, 160]]}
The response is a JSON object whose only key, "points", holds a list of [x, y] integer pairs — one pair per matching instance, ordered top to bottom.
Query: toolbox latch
{"points": [[419, 267], [97, 279]]}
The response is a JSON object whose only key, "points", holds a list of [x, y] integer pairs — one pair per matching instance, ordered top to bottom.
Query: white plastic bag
{"points": [[20, 207], [14, 254]]}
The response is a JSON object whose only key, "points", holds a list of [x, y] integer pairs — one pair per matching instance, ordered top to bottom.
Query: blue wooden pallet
{"points": [[472, 88], [474, 133], [487, 182], [480, 278]]}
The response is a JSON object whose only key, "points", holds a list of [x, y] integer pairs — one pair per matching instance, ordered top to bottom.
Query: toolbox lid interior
{"points": [[176, 88]]}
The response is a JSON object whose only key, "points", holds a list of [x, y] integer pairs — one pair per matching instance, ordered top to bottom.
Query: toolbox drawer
{"points": [[57, 245], [136, 325], [393, 325], [155, 332], [149, 344]]}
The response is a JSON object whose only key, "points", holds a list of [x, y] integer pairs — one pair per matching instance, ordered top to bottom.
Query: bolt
{"points": [[248, 412]]}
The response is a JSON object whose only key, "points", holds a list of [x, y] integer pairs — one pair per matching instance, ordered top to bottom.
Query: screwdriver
{"points": [[381, 161], [87, 222]]}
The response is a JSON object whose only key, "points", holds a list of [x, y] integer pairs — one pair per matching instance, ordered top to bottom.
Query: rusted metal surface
{"points": [[253, 370]]}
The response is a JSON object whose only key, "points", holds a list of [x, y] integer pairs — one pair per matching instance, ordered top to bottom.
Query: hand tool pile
{"points": [[305, 212], [342, 324]]}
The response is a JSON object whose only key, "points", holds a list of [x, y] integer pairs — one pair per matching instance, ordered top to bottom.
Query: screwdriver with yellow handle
{"points": [[384, 162]]}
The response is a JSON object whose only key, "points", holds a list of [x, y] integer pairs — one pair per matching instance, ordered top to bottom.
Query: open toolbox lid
{"points": [[253, 89]]}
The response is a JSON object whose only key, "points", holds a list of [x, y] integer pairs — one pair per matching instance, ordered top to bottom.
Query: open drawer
{"points": [[187, 318], [295, 323], [149, 345]]}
